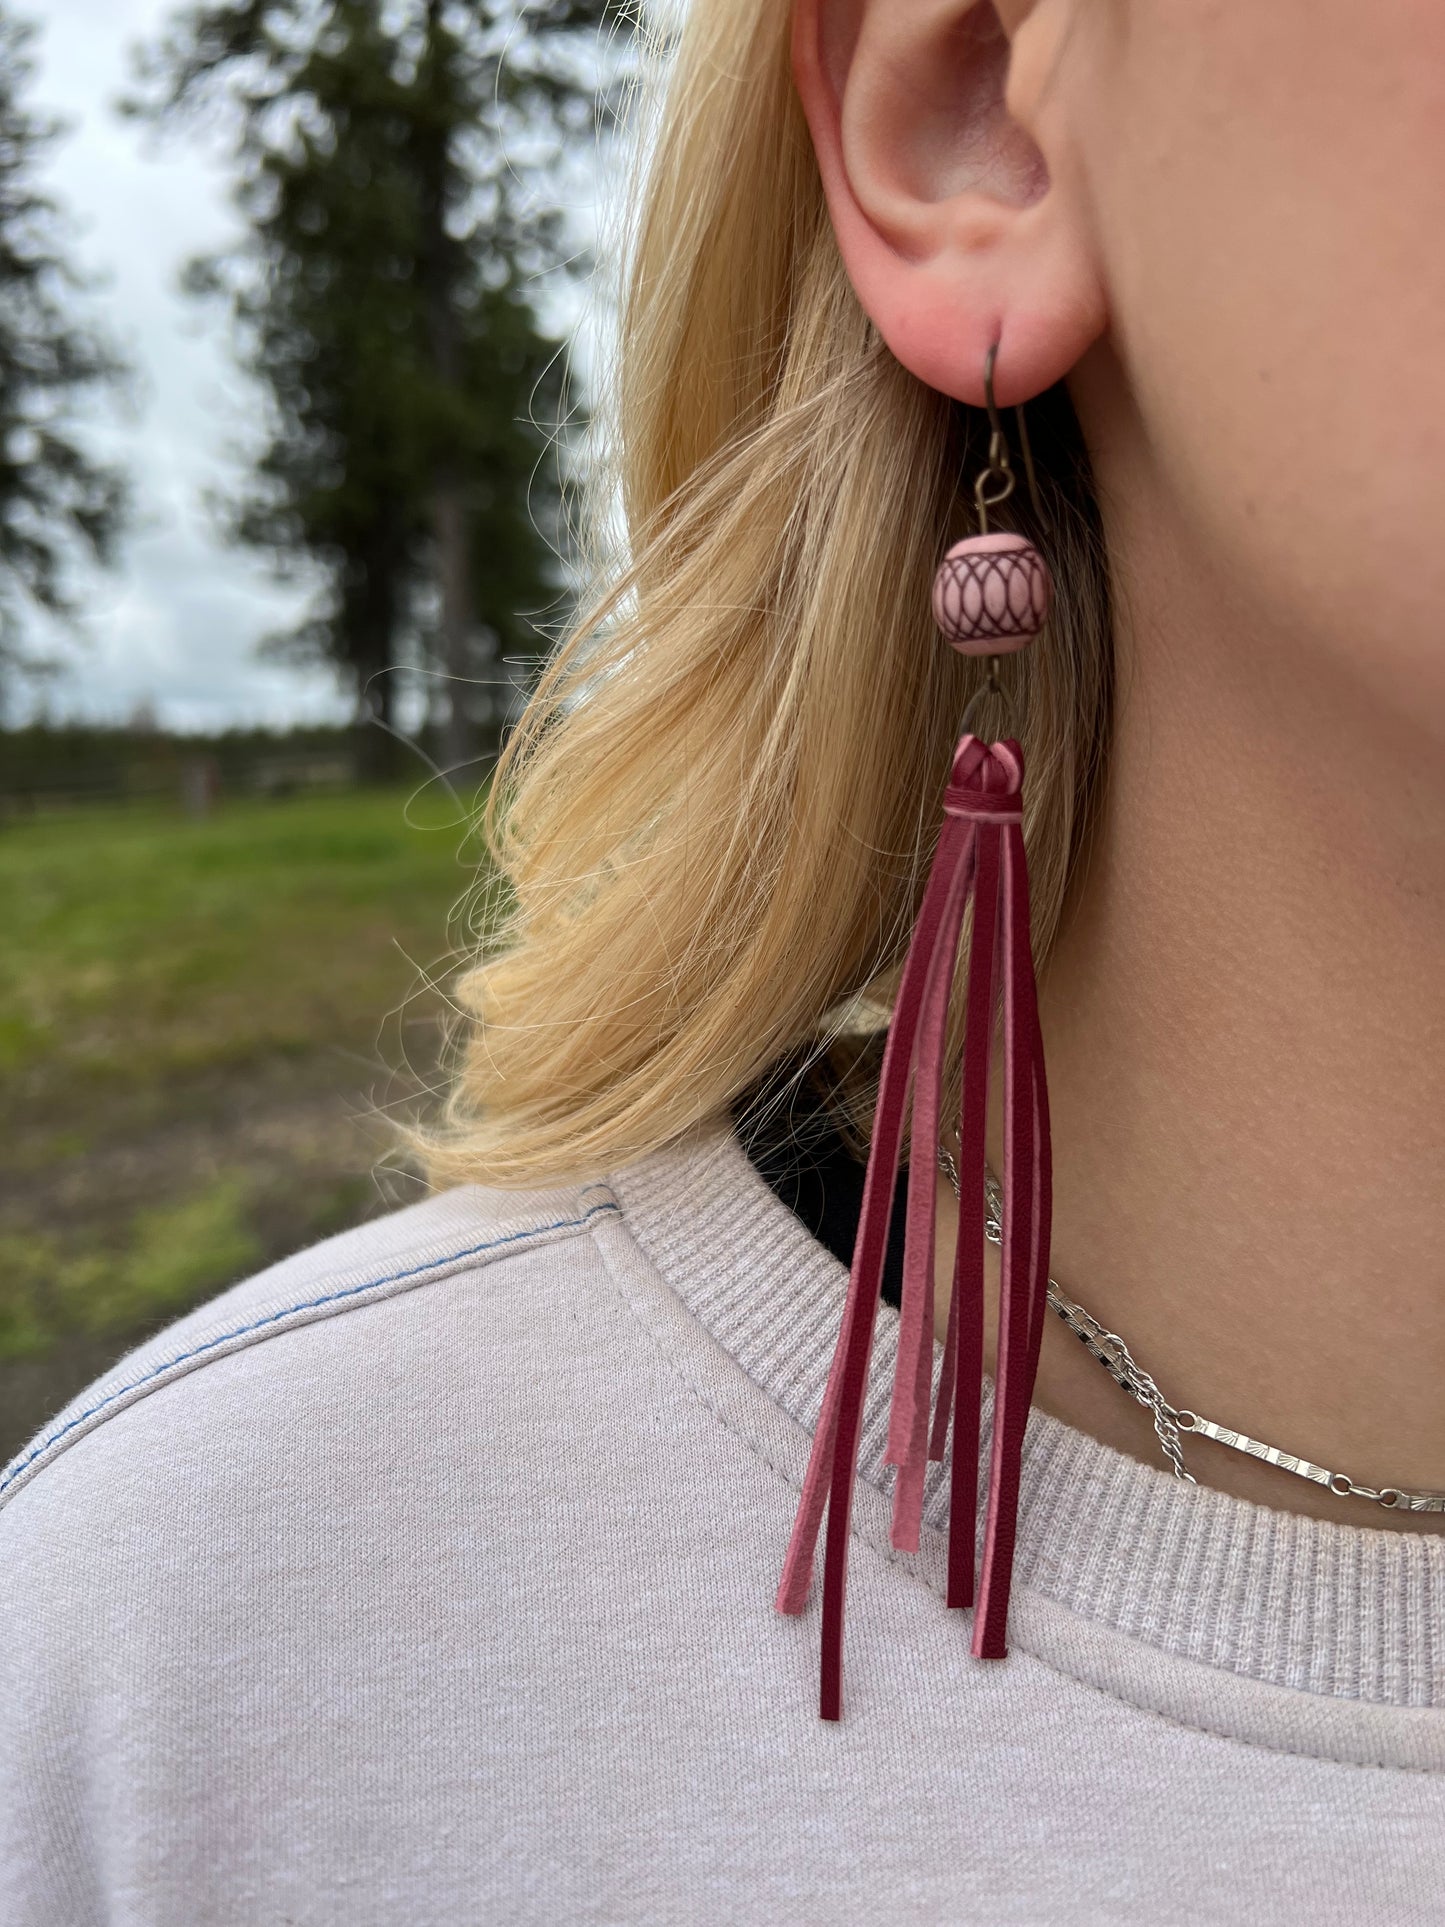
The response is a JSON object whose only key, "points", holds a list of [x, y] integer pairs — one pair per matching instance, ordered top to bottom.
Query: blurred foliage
{"points": [[389, 162], [55, 497], [193, 1049]]}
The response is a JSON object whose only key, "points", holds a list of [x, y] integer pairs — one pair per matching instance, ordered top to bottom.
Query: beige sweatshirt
{"points": [[427, 1580]]}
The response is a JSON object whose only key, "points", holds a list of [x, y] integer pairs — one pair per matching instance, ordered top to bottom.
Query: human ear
{"points": [[946, 149]]}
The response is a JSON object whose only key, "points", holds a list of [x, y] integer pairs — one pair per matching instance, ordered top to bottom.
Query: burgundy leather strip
{"points": [[1025, 1185], [1044, 1187], [868, 1257], [966, 1309], [847, 1377]]}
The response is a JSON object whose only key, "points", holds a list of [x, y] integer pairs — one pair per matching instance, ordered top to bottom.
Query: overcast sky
{"points": [[176, 625]]}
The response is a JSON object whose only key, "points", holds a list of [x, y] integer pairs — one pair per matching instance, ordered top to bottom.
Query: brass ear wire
{"points": [[999, 470], [995, 483]]}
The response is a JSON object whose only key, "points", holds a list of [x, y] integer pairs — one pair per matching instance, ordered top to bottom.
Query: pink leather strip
{"points": [[913, 1379]]}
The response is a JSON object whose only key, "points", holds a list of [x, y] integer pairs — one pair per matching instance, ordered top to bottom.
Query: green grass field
{"points": [[203, 1028]]}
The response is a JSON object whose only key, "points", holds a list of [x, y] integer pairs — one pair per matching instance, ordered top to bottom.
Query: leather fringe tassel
{"points": [[980, 852]]}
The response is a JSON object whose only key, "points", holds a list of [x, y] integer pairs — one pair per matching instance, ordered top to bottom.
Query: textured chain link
{"points": [[1171, 1421]]}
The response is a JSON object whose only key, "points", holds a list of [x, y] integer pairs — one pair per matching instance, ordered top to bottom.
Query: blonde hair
{"points": [[714, 818]]}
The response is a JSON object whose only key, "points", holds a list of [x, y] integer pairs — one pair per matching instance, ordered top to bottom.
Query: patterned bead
{"points": [[991, 594]]}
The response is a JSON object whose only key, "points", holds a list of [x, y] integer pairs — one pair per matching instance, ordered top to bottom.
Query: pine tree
{"points": [[380, 297], [56, 500]]}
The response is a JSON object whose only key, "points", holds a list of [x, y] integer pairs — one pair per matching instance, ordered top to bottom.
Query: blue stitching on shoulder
{"points": [[307, 1304]]}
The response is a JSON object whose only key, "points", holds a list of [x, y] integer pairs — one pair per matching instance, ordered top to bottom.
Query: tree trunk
{"points": [[370, 604], [468, 697], [378, 752]]}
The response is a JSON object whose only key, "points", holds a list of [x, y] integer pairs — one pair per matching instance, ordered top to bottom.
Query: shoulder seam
{"points": [[287, 1318]]}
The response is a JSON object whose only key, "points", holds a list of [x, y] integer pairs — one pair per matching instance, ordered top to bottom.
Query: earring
{"points": [[990, 597]]}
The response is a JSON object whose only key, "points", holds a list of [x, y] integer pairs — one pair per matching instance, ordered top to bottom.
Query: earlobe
{"points": [[958, 226]]}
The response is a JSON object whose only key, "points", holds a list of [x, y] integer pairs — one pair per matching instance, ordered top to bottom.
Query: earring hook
{"points": [[988, 401], [999, 465], [999, 473]]}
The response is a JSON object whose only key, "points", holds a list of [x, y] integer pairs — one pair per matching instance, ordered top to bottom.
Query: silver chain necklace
{"points": [[1170, 1421]]}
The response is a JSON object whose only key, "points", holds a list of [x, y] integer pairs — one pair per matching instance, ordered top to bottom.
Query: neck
{"points": [[1244, 1025]]}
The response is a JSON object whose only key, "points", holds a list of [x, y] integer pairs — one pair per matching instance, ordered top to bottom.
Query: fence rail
{"points": [[193, 783]]}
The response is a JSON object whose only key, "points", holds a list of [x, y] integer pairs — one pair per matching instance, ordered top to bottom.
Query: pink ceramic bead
{"points": [[991, 594]]}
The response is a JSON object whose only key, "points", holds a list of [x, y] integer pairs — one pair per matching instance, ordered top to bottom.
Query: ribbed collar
{"points": [[1347, 1611]]}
